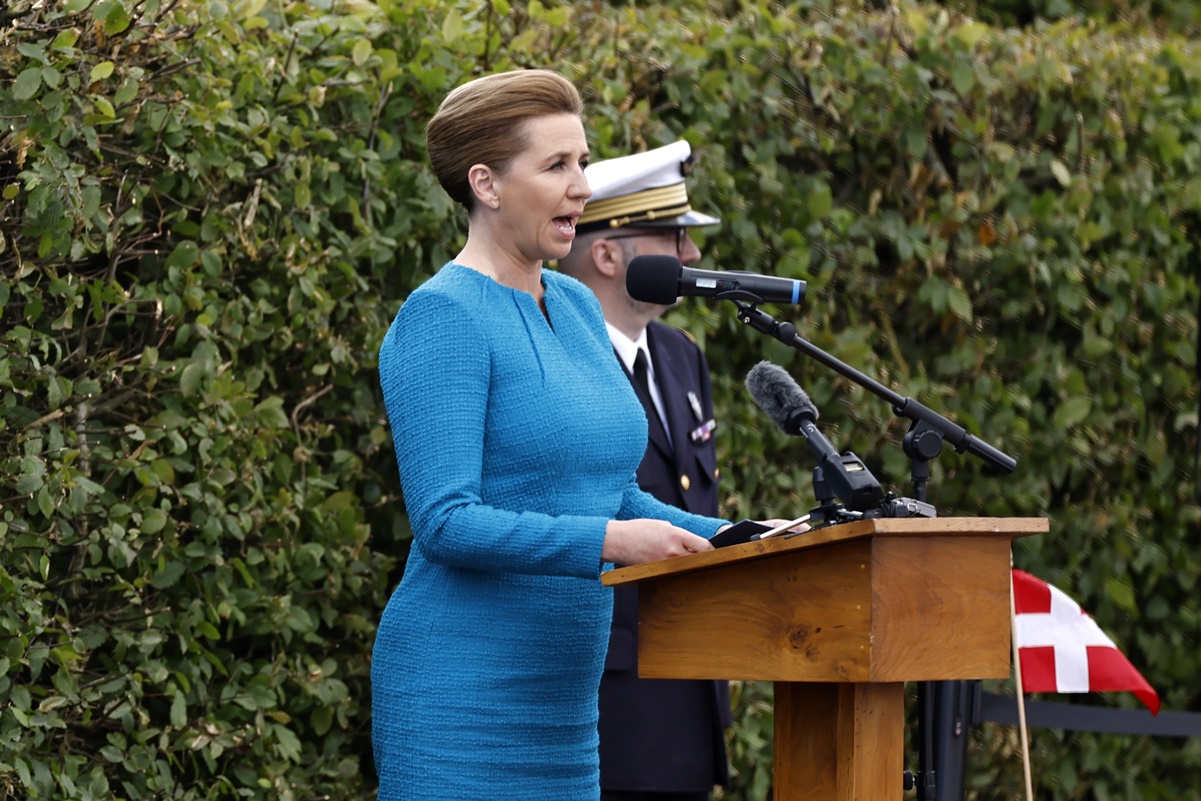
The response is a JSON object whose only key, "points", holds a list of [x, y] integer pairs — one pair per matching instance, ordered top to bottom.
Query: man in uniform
{"points": [[660, 739]]}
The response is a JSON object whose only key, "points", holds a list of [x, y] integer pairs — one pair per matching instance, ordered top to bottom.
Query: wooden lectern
{"points": [[839, 618]]}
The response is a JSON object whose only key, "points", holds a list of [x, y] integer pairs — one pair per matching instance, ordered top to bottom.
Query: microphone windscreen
{"points": [[654, 279], [778, 395]]}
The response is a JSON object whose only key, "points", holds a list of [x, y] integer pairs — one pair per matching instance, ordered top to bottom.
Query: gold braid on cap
{"points": [[640, 206]]}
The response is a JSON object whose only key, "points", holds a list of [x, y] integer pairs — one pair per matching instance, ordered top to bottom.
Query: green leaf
{"points": [[249, 8], [557, 17], [117, 20], [452, 27], [972, 33], [65, 40], [35, 51], [361, 52], [102, 71], [963, 78], [27, 83], [126, 92], [916, 142], [1001, 151], [1060, 171], [821, 200], [91, 201], [184, 255], [959, 303], [193, 374], [58, 389], [1072, 412], [271, 414], [163, 469], [32, 475], [87, 485], [339, 501], [45, 502], [153, 521], [170, 573], [1121, 593], [207, 630], [260, 694], [179, 709], [323, 718], [287, 743], [113, 754], [20, 765]]}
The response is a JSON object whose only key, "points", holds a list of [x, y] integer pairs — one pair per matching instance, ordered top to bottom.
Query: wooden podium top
{"points": [[1007, 527]]}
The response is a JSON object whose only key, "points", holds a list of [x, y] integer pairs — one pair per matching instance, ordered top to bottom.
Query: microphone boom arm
{"points": [[925, 421]]}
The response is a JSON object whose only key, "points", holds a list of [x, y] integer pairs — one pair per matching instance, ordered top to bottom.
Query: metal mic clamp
{"points": [[906, 507]]}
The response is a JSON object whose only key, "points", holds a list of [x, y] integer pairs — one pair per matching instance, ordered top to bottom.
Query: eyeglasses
{"points": [[680, 233]]}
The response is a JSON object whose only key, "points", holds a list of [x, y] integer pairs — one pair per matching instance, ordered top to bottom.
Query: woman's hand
{"points": [[634, 542]]}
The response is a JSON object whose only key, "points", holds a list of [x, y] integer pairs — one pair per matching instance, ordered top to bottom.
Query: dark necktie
{"points": [[643, 390]]}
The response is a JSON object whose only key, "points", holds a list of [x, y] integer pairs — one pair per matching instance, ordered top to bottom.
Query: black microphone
{"points": [[662, 280], [794, 413]]}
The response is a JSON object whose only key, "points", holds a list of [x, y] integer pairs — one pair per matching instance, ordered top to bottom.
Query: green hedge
{"points": [[1179, 16], [210, 212], [191, 433]]}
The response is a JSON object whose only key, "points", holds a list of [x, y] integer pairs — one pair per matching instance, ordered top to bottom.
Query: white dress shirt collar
{"points": [[627, 350]]}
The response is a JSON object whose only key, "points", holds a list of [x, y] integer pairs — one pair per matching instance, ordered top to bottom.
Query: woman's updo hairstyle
{"points": [[479, 123]]}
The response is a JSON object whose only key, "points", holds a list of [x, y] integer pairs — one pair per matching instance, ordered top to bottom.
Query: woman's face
{"points": [[543, 191]]}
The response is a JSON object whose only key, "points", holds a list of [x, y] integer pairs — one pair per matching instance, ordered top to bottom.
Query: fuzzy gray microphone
{"points": [[781, 398], [791, 409]]}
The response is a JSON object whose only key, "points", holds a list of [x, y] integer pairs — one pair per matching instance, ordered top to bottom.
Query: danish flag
{"points": [[1063, 650]]}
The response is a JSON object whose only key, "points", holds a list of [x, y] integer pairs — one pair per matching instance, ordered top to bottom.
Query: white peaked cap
{"points": [[645, 189]]}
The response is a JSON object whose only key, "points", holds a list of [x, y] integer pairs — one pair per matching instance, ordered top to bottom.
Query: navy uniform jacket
{"points": [[666, 735]]}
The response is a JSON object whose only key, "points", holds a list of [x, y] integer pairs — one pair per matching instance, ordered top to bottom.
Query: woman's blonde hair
{"points": [[480, 123]]}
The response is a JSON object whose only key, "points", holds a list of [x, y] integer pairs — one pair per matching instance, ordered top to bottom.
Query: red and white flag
{"points": [[1063, 650]]}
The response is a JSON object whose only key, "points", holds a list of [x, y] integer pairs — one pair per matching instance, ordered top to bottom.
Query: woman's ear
{"points": [[484, 184]]}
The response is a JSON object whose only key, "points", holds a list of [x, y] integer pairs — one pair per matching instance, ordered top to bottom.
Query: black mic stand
{"points": [[944, 707], [942, 720]]}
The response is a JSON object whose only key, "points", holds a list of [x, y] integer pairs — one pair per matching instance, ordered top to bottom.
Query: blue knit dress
{"points": [[518, 438]]}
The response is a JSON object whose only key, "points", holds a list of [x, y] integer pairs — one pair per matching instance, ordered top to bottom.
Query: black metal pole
{"points": [[953, 705]]}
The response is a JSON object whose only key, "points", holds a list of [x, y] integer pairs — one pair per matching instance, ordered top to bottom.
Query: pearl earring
{"points": [[495, 202]]}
